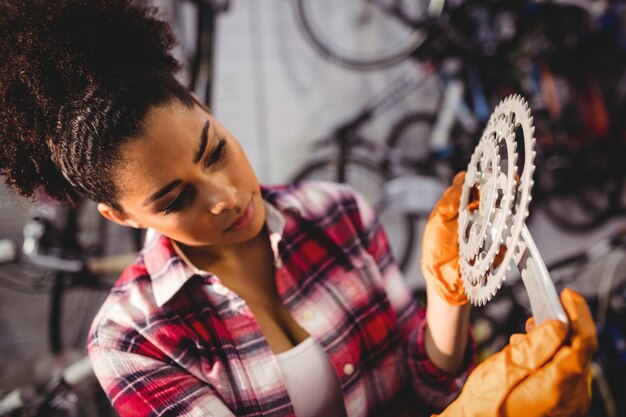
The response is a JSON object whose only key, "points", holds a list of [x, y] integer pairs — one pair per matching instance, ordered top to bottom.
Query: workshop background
{"points": [[275, 89]]}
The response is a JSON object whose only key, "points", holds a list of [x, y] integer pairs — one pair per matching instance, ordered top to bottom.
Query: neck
{"points": [[228, 257], [247, 269]]}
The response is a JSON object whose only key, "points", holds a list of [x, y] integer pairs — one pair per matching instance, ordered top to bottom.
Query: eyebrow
{"points": [[203, 142], [169, 187]]}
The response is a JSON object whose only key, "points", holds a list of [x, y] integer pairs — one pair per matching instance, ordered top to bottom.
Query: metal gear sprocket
{"points": [[488, 195], [493, 209]]}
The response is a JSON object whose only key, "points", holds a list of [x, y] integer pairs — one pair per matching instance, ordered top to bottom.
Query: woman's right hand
{"points": [[440, 247], [544, 372]]}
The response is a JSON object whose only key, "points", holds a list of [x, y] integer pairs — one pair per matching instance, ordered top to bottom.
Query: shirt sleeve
{"points": [[139, 386], [434, 387]]}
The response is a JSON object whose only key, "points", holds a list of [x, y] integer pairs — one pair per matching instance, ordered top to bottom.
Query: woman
{"points": [[246, 300]]}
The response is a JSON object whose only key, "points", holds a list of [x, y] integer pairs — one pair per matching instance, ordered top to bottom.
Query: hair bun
{"points": [[63, 45], [53, 51]]}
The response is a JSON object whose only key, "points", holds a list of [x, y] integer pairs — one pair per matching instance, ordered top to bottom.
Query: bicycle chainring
{"points": [[495, 198]]}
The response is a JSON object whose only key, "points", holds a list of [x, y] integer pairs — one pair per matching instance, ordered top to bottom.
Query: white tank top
{"points": [[311, 382]]}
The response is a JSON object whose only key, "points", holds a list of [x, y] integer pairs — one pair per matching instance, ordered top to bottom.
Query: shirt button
{"points": [[278, 263], [308, 315], [348, 369]]}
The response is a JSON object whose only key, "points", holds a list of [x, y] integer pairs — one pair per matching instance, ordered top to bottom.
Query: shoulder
{"points": [[313, 198], [322, 208], [130, 301]]}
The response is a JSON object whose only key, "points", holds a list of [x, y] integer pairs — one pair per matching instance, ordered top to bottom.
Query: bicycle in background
{"points": [[194, 23], [535, 48], [402, 184], [75, 263]]}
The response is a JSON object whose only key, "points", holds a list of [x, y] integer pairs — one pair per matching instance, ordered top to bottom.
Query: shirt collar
{"points": [[283, 198], [169, 271]]}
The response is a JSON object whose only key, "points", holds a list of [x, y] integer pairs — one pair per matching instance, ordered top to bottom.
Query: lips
{"points": [[243, 220]]}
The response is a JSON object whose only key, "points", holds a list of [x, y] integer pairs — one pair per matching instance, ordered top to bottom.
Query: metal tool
{"points": [[494, 206]]}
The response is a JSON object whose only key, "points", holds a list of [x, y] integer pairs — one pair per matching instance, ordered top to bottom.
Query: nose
{"points": [[222, 198]]}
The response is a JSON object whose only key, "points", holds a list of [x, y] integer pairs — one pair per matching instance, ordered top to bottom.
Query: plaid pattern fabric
{"points": [[172, 340]]}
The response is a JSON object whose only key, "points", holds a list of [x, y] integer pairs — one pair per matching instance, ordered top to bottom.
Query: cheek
{"points": [[241, 167], [192, 222]]}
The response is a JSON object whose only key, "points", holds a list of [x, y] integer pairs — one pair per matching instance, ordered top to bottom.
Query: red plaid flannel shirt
{"points": [[172, 340]]}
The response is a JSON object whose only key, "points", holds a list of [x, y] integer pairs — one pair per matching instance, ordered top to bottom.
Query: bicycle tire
{"points": [[328, 47], [410, 138], [414, 147], [583, 193], [566, 212], [401, 228]]}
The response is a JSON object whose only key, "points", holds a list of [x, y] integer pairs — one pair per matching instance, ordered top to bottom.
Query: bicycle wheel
{"points": [[360, 34], [411, 135], [410, 139], [369, 179], [581, 190]]}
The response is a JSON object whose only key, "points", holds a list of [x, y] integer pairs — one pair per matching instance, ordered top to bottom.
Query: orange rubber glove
{"points": [[440, 248], [542, 373]]}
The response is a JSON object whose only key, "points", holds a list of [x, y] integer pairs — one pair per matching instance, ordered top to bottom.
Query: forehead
{"points": [[172, 119], [166, 146]]}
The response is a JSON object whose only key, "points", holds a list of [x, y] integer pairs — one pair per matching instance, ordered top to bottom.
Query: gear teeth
{"points": [[484, 155], [509, 242], [481, 282]]}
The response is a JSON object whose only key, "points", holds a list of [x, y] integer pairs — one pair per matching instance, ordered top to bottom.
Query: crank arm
{"points": [[544, 300]]}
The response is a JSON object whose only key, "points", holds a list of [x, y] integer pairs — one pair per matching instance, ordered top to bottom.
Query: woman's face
{"points": [[187, 177]]}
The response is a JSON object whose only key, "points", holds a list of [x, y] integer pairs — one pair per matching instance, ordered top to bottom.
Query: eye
{"points": [[218, 154], [183, 199], [178, 204]]}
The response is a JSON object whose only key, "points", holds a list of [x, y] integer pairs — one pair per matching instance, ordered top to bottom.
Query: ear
{"points": [[117, 216]]}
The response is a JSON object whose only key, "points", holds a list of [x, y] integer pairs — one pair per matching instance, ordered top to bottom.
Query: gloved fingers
{"points": [[473, 205], [447, 207], [440, 248], [450, 290], [530, 324], [584, 338], [536, 347], [494, 378], [490, 384], [559, 388], [576, 404]]}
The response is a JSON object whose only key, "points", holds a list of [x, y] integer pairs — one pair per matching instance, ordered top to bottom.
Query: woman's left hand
{"points": [[440, 249], [542, 373]]}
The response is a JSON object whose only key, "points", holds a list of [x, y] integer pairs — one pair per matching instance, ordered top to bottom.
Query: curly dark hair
{"points": [[77, 78]]}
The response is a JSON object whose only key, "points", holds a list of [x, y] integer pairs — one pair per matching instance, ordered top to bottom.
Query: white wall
{"points": [[276, 94]]}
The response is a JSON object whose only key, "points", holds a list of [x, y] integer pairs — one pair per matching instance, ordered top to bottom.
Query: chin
{"points": [[258, 224]]}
